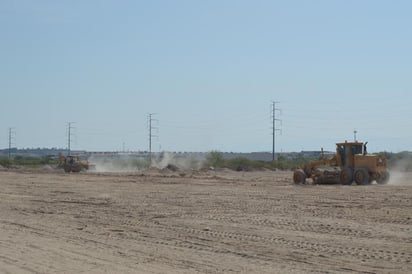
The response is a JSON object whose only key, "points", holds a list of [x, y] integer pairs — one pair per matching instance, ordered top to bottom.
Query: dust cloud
{"points": [[185, 162], [123, 163], [129, 163], [400, 174], [399, 178]]}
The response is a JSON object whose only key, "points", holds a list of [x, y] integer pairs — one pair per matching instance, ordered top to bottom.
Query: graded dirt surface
{"points": [[201, 222]]}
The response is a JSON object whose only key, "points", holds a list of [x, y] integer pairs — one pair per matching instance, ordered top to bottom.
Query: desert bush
{"points": [[215, 159], [27, 161], [5, 162], [243, 164]]}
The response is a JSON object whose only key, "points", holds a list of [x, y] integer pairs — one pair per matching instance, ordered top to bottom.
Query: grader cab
{"points": [[351, 162]]}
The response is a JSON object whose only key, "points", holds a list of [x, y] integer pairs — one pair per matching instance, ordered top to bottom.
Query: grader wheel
{"points": [[346, 176], [361, 176], [299, 177]]}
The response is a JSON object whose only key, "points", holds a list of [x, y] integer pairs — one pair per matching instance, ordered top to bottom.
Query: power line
{"points": [[274, 128]]}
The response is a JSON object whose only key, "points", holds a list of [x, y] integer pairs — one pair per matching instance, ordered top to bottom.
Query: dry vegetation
{"points": [[200, 222]]}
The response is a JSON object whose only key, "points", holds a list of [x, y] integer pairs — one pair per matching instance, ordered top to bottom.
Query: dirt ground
{"points": [[200, 222]]}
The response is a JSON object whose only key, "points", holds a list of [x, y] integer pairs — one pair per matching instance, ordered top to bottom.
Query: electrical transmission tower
{"points": [[150, 121], [274, 127], [69, 136], [12, 137]]}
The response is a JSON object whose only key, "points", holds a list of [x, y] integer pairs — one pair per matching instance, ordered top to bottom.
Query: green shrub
{"points": [[215, 159], [28, 161], [5, 162]]}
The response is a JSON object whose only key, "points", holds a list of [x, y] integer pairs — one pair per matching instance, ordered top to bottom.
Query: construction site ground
{"points": [[200, 222]]}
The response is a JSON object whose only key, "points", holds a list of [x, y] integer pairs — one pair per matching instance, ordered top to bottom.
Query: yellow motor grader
{"points": [[351, 163], [72, 164]]}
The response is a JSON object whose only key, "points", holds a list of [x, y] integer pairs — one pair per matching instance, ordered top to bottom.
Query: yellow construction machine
{"points": [[72, 163], [351, 163]]}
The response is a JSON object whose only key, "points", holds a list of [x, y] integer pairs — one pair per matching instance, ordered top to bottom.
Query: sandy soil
{"points": [[203, 222]]}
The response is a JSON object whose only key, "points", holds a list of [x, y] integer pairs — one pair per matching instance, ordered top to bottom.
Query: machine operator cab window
{"points": [[356, 149], [350, 150]]}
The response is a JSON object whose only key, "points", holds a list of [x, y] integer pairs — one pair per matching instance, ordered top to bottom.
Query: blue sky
{"points": [[210, 70]]}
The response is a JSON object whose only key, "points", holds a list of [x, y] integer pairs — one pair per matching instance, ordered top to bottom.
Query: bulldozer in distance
{"points": [[351, 163]]}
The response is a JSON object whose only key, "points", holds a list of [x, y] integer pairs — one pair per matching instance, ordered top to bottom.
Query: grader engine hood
{"points": [[373, 163]]}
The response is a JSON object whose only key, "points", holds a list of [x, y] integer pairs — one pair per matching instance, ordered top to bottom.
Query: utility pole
{"points": [[151, 128], [274, 128], [354, 133], [69, 136], [11, 137]]}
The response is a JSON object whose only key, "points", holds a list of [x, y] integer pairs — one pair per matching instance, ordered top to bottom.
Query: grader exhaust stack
{"points": [[351, 162]]}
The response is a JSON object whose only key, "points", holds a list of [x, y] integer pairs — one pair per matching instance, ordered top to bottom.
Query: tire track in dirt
{"points": [[353, 215], [284, 223], [292, 225], [304, 225], [114, 232], [153, 234], [224, 242], [358, 252], [366, 253], [75, 256], [12, 265]]}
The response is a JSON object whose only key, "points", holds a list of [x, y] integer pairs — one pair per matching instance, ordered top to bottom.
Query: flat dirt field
{"points": [[200, 222]]}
